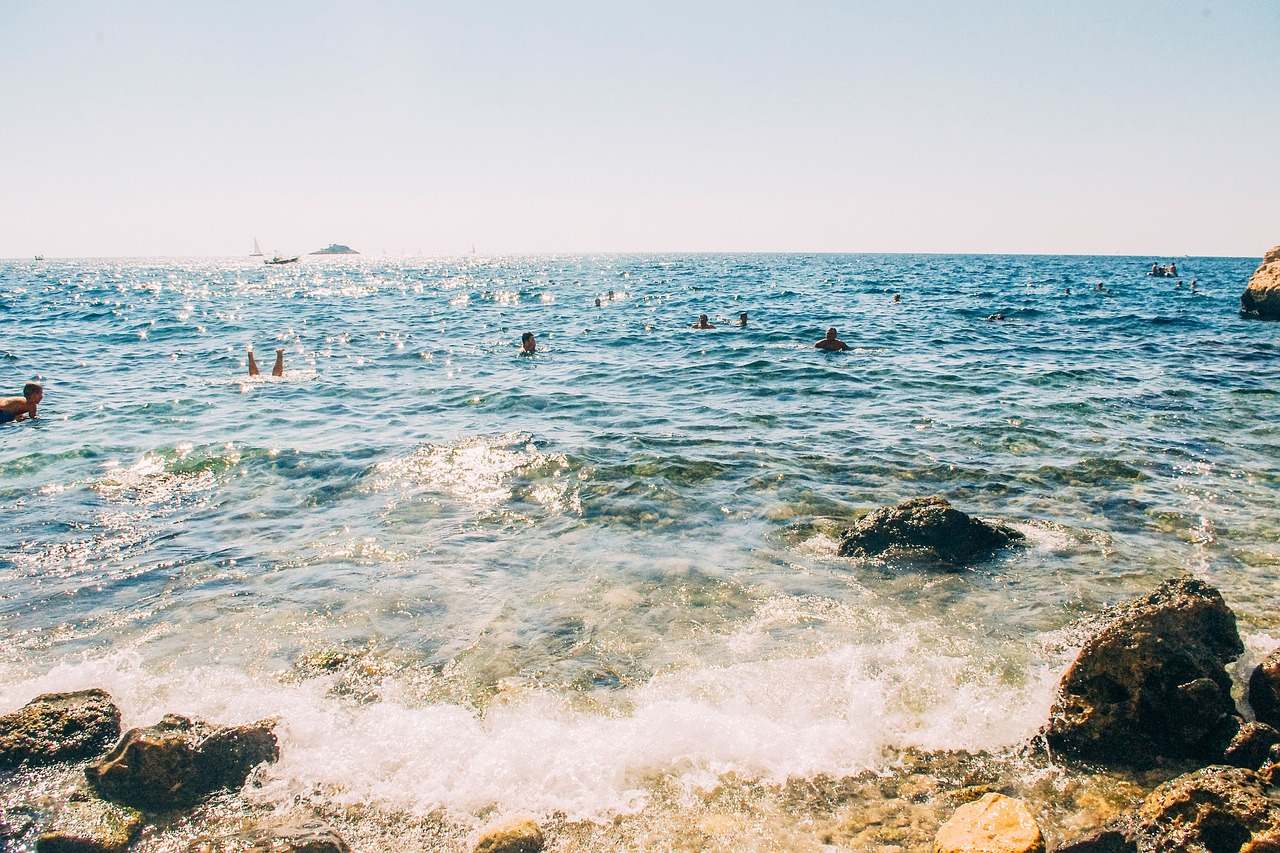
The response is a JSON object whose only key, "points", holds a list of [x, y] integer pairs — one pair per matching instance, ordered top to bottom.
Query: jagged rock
{"points": [[335, 249], [1261, 297], [923, 527], [1152, 682], [1264, 690], [59, 727], [1250, 746], [179, 761], [1214, 810], [993, 824], [90, 825], [518, 835], [296, 838]]}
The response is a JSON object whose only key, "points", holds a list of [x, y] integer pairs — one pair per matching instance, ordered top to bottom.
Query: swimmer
{"points": [[1068, 291], [610, 295], [897, 297], [597, 301], [742, 319], [703, 323], [831, 343], [528, 346], [277, 370], [17, 408]]}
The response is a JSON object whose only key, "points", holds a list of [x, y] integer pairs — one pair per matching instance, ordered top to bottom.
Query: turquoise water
{"points": [[466, 579]]}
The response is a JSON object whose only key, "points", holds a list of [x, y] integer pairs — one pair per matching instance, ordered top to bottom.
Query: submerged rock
{"points": [[1261, 297], [926, 527], [1152, 682], [1264, 690], [59, 727], [178, 761], [1212, 810], [993, 824], [90, 825], [518, 835], [294, 838]]}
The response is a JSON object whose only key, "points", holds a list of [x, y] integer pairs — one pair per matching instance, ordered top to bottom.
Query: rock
{"points": [[335, 249], [1261, 297], [928, 527], [1152, 682], [1264, 690], [59, 727], [1250, 746], [179, 761], [1214, 810], [993, 824], [90, 825], [518, 835], [294, 838], [1105, 841]]}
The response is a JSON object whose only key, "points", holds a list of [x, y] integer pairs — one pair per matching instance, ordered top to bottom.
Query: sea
{"points": [[599, 585]]}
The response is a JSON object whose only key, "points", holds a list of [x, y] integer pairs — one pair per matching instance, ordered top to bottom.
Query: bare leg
{"points": [[253, 365], [278, 370]]}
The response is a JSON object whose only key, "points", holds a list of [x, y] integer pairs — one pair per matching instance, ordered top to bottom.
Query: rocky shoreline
{"points": [[1148, 699]]}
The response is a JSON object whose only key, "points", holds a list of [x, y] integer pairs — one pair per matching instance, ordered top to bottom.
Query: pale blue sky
{"points": [[162, 128]]}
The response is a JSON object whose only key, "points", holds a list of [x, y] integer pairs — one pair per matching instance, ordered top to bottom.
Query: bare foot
{"points": [[278, 370]]}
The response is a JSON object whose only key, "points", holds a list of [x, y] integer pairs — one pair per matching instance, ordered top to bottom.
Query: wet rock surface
{"points": [[924, 528], [1152, 682], [1264, 690], [59, 727], [1251, 745], [179, 761], [1214, 810], [993, 824], [90, 825], [517, 835], [312, 837]]}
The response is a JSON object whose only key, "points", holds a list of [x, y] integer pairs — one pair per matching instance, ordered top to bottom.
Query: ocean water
{"points": [[600, 583]]}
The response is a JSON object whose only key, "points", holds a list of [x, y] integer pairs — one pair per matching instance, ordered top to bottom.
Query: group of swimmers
{"points": [[1170, 271]]}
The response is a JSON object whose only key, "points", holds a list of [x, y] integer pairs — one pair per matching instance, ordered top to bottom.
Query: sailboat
{"points": [[257, 250]]}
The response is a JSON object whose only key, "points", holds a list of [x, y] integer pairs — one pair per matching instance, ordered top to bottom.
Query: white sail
{"points": [[257, 252]]}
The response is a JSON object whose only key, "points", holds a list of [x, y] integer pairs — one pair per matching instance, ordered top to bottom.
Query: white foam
{"points": [[836, 712]]}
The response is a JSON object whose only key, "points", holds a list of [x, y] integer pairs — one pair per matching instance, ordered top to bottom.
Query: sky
{"points": [[190, 128]]}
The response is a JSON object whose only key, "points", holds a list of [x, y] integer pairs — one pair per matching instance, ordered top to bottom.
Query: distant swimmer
{"points": [[610, 295], [897, 297], [597, 301], [995, 318], [742, 319], [703, 323], [831, 343], [528, 346], [277, 370], [16, 408]]}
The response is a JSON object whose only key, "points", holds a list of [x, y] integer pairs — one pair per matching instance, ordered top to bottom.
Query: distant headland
{"points": [[336, 249]]}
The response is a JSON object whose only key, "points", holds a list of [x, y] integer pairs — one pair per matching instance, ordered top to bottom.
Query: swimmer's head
{"points": [[831, 333], [527, 343], [33, 390]]}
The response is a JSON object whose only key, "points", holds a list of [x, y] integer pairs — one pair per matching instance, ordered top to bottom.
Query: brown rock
{"points": [[1261, 297], [923, 527], [1152, 682], [1264, 690], [59, 727], [1251, 745], [177, 762], [1214, 810], [993, 824], [90, 825], [517, 835], [1105, 841]]}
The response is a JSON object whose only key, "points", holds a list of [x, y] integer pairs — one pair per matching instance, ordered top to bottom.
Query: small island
{"points": [[336, 249]]}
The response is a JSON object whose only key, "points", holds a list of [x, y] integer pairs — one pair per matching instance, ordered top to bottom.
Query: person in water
{"points": [[742, 319], [703, 323], [831, 343], [528, 346], [277, 370], [17, 408]]}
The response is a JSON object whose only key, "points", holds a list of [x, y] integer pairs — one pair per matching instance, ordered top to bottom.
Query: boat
{"points": [[257, 250], [39, 257], [279, 260]]}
